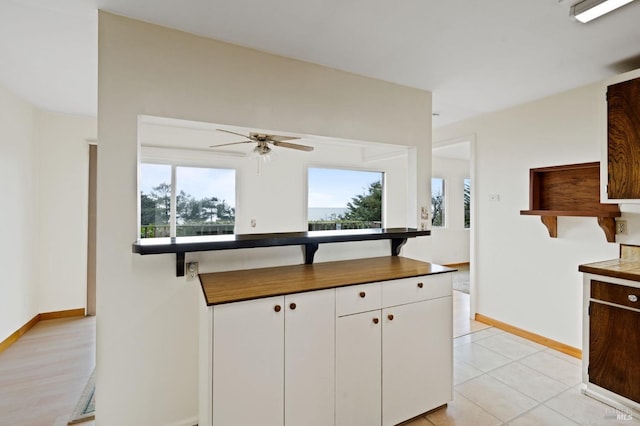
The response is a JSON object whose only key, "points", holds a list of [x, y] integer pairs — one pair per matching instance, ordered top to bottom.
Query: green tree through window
{"points": [[344, 199], [437, 202], [366, 207], [202, 214]]}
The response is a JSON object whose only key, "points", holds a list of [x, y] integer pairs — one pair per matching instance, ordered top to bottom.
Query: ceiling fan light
{"points": [[588, 10], [262, 149]]}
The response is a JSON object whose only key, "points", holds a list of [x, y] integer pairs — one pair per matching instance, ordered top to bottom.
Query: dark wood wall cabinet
{"points": [[623, 140], [569, 190]]}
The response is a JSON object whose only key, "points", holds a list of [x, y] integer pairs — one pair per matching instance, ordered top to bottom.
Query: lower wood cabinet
{"points": [[614, 350], [611, 352], [273, 361]]}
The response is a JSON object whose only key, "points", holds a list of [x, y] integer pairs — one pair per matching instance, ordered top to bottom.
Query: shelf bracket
{"points": [[551, 222], [608, 225], [396, 245], [310, 250], [180, 258]]}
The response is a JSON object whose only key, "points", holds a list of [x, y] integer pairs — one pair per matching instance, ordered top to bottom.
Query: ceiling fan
{"points": [[263, 141]]}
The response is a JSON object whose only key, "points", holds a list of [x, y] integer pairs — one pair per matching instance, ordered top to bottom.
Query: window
{"points": [[344, 199], [186, 201], [437, 202], [467, 203]]}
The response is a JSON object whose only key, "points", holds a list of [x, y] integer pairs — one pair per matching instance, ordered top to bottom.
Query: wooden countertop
{"points": [[626, 269], [235, 286]]}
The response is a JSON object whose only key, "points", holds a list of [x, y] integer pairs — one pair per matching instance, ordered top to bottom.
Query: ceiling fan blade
{"points": [[233, 133], [274, 138], [232, 143], [292, 146]]}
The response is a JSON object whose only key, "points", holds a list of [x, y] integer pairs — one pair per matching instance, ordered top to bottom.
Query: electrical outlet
{"points": [[621, 227], [192, 271]]}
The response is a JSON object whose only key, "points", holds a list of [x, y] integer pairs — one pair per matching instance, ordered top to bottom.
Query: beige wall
{"points": [[43, 164], [63, 165], [19, 174], [524, 277], [147, 322]]}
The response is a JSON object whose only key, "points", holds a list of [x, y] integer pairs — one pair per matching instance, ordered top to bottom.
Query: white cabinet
{"points": [[353, 355], [309, 358], [273, 361], [394, 361], [417, 363], [358, 366], [248, 368]]}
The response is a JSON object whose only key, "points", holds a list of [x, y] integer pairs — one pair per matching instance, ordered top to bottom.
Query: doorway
{"points": [[453, 162]]}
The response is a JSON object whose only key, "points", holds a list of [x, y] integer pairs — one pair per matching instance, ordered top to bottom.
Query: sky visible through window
{"points": [[200, 182], [337, 187]]}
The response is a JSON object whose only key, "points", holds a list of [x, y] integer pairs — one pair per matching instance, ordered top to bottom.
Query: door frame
{"points": [[91, 228], [473, 236]]}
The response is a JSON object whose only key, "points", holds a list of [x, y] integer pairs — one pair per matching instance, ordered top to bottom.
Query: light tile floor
{"points": [[462, 324], [503, 379]]}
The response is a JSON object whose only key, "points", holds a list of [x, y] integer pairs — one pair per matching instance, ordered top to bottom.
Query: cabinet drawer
{"points": [[407, 290], [614, 293], [358, 298]]}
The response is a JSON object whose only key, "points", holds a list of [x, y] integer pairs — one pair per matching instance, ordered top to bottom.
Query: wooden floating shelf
{"points": [[570, 190], [309, 240]]}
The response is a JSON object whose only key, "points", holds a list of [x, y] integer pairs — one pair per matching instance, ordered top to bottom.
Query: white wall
{"points": [[43, 163], [63, 165], [19, 177], [451, 243], [524, 277], [147, 322]]}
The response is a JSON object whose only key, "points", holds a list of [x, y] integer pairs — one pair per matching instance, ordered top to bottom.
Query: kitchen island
{"points": [[354, 342]]}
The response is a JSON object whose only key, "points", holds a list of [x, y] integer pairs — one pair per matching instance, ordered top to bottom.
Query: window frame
{"points": [[179, 158], [354, 168]]}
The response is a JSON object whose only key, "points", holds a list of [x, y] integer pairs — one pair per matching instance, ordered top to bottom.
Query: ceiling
{"points": [[476, 56], [169, 133], [453, 151]]}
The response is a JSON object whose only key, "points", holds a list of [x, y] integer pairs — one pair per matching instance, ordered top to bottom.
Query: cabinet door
{"points": [[623, 139], [614, 349], [417, 355], [310, 358], [248, 368], [358, 369]]}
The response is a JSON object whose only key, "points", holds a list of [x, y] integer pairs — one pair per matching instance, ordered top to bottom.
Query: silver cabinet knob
{"points": [[633, 298]]}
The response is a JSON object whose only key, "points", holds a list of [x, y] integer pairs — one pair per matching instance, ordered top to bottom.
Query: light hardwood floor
{"points": [[43, 374]]}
